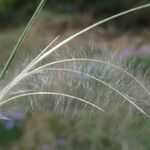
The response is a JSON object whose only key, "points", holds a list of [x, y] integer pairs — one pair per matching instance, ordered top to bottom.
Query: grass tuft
{"points": [[112, 79]]}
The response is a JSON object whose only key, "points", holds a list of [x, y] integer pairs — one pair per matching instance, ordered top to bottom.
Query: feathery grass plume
{"points": [[97, 83]]}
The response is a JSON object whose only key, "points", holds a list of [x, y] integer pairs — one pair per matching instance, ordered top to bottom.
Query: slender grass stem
{"points": [[22, 37], [51, 43], [52, 93]]}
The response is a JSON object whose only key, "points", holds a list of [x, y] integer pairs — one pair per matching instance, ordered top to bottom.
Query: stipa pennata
{"points": [[74, 84]]}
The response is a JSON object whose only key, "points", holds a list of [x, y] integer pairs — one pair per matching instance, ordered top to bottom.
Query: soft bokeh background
{"points": [[127, 38]]}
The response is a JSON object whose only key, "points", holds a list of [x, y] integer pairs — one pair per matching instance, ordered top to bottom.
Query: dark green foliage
{"points": [[8, 5], [94, 5], [106, 6], [17, 11], [9, 131]]}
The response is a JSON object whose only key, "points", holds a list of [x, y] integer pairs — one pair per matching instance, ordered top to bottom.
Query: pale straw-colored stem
{"points": [[51, 93]]}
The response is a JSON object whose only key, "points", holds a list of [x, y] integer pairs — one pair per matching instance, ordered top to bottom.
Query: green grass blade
{"points": [[22, 37]]}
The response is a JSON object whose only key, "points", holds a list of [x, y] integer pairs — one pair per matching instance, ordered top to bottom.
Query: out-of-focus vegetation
{"points": [[109, 6], [15, 11], [18, 11], [139, 63], [10, 131], [47, 131]]}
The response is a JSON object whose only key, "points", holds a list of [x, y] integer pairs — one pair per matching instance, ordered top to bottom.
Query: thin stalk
{"points": [[22, 37], [52, 93]]}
